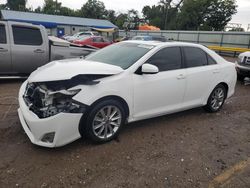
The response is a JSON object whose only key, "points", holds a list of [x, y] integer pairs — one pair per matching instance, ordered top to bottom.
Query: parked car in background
{"points": [[79, 34], [150, 38], [122, 39], [96, 41], [25, 47], [243, 65], [125, 82]]}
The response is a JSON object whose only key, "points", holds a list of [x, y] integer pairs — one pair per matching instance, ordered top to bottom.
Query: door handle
{"points": [[3, 50], [39, 51], [181, 76]]}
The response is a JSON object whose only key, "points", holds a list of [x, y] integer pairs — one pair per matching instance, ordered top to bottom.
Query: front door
{"points": [[29, 48], [5, 54], [160, 93]]}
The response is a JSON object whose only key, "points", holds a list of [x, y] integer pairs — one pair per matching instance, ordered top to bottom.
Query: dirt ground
{"points": [[187, 149]]}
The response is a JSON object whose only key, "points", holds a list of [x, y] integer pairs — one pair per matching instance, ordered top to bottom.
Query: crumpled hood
{"points": [[66, 69]]}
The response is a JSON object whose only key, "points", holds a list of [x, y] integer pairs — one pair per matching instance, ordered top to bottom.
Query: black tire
{"points": [[240, 77], [209, 106], [87, 127]]}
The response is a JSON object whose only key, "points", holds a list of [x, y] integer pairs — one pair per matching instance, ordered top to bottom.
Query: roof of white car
{"points": [[158, 43]]}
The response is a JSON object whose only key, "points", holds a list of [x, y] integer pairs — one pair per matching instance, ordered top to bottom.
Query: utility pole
{"points": [[56, 8], [166, 15]]}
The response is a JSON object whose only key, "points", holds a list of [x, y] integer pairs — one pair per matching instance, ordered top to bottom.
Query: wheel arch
{"points": [[221, 83], [225, 85], [114, 97]]}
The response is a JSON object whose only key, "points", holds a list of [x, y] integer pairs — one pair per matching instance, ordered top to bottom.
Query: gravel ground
{"points": [[187, 149]]}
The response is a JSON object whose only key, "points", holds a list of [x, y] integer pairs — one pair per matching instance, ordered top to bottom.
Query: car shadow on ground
{"points": [[127, 129]]}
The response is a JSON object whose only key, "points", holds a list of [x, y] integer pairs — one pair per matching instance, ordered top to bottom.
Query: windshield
{"points": [[122, 54]]}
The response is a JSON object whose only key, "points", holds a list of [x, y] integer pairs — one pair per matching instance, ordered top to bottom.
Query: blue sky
{"points": [[243, 15]]}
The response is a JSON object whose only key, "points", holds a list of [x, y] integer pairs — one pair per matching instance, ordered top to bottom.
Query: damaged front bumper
{"points": [[53, 131]]}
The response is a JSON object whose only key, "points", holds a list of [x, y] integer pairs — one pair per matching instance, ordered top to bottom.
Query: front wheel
{"points": [[216, 99], [104, 121]]}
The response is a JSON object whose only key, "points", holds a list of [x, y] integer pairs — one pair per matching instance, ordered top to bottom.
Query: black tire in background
{"points": [[240, 77]]}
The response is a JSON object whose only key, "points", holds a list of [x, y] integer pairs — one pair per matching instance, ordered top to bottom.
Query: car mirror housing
{"points": [[149, 69]]}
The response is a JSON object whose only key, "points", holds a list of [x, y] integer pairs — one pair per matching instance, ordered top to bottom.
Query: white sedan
{"points": [[125, 82]]}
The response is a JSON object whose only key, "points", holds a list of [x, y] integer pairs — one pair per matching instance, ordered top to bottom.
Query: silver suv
{"points": [[243, 65]]}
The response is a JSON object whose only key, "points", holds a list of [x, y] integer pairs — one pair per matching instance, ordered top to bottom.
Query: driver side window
{"points": [[167, 59]]}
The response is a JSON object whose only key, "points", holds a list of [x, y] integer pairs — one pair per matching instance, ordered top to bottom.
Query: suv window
{"points": [[2, 35], [27, 36], [195, 57], [167, 59]]}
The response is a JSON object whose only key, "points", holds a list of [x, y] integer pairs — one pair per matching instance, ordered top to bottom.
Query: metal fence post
{"points": [[222, 37], [198, 38], [249, 42]]}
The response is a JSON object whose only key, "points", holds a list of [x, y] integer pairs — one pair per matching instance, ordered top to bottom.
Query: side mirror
{"points": [[149, 69]]}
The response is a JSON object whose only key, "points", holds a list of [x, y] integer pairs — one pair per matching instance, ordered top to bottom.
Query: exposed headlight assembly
{"points": [[46, 103]]}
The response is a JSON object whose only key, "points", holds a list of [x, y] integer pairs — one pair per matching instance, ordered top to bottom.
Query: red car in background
{"points": [[96, 41]]}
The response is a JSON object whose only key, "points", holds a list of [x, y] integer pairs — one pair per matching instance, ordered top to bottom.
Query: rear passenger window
{"points": [[2, 35], [27, 36], [195, 57], [167, 59]]}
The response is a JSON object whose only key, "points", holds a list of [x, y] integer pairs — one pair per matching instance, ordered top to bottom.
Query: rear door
{"points": [[29, 48], [5, 53], [202, 74]]}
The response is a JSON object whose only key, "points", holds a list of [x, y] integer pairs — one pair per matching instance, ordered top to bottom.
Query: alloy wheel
{"points": [[217, 98], [107, 122]]}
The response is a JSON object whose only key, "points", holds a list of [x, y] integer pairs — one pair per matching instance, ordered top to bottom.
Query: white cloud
{"points": [[118, 5]]}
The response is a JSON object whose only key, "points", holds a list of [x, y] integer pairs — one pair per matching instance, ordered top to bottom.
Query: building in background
{"points": [[61, 25]]}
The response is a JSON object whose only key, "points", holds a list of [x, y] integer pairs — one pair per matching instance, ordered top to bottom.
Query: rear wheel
{"points": [[216, 99], [104, 121]]}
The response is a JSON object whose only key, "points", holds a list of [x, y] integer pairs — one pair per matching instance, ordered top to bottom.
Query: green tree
{"points": [[18, 5], [2, 6], [51, 7], [55, 8], [93, 9], [38, 10], [219, 13], [164, 14], [206, 14], [153, 15], [111, 16], [121, 19]]}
